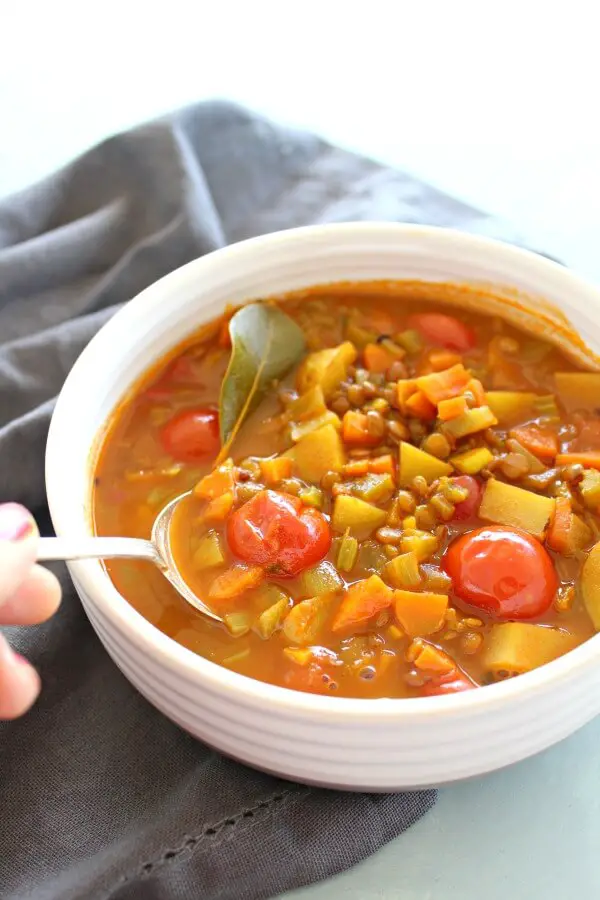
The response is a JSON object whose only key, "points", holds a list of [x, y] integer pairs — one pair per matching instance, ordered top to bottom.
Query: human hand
{"points": [[28, 594]]}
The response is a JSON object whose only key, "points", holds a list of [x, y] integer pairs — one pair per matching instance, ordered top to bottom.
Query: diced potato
{"points": [[326, 368], [578, 390], [309, 405], [510, 406], [474, 420], [298, 430], [316, 453], [415, 462], [469, 462], [373, 488], [590, 488], [506, 504], [359, 517], [422, 543], [209, 552], [403, 571], [320, 579], [590, 585], [266, 595], [420, 613], [271, 619], [306, 619], [237, 623], [516, 647]]}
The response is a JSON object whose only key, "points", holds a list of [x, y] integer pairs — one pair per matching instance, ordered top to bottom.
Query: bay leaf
{"points": [[265, 344]]}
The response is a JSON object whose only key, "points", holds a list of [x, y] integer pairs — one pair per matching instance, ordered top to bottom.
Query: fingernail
{"points": [[15, 522]]}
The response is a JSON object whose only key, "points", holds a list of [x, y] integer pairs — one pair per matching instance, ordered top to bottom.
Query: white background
{"points": [[497, 103]]}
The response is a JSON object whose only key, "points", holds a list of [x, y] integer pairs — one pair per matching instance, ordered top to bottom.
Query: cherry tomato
{"points": [[443, 331], [192, 435], [468, 507], [276, 531], [505, 573], [452, 683]]}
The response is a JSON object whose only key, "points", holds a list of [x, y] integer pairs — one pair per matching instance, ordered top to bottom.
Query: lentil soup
{"points": [[408, 507]]}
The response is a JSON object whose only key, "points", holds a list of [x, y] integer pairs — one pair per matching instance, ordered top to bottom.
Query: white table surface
{"points": [[495, 104]]}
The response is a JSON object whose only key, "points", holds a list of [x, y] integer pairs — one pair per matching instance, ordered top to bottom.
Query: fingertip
{"points": [[35, 600], [20, 684]]}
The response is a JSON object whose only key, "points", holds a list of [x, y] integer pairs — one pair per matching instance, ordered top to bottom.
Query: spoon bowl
{"points": [[157, 550]]}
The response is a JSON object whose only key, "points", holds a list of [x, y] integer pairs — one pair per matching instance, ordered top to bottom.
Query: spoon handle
{"points": [[97, 548]]}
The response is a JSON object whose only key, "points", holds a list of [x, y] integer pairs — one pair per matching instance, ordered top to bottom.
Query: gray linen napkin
{"points": [[101, 797]]}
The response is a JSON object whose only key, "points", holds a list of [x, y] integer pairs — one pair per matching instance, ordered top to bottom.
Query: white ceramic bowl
{"points": [[357, 744]]}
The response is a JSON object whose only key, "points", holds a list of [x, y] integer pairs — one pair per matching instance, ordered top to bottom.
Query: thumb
{"points": [[18, 546]]}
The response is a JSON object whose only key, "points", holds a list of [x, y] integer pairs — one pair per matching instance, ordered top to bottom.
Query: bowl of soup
{"points": [[387, 438]]}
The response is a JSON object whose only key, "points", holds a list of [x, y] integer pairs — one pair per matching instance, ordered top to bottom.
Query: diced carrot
{"points": [[377, 358], [443, 359], [443, 385], [404, 389], [478, 391], [419, 406], [451, 408], [355, 430], [539, 441], [590, 458], [382, 465], [355, 468], [274, 470], [216, 483], [218, 508], [558, 533], [235, 581], [363, 600], [432, 659]]}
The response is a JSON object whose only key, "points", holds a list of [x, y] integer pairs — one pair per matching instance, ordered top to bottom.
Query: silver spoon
{"points": [[157, 550]]}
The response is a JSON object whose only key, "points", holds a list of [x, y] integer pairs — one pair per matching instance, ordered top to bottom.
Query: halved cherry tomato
{"points": [[443, 331], [192, 434], [468, 507], [276, 531], [506, 573], [451, 683]]}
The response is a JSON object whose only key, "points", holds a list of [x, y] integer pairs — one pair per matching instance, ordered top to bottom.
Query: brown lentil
{"points": [[396, 371], [356, 395], [340, 405], [375, 423], [397, 431], [437, 445], [329, 479], [420, 486], [441, 507], [426, 519], [387, 535], [471, 642], [415, 679]]}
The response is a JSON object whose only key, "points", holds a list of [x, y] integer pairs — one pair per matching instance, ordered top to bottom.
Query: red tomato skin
{"points": [[443, 331], [192, 434], [469, 507], [276, 531], [504, 572], [452, 683]]}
